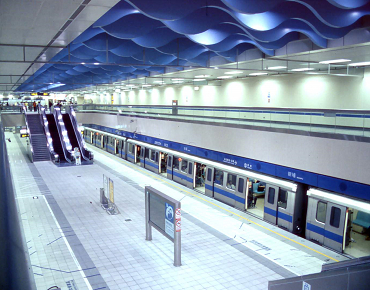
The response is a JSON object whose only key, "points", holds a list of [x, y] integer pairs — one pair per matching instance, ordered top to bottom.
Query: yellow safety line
{"points": [[229, 211]]}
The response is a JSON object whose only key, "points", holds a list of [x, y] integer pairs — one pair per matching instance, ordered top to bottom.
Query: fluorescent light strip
{"points": [[334, 61], [360, 63], [276, 67], [303, 69], [235, 72], [258, 74], [202, 76], [224, 77], [178, 79], [199, 80], [146, 86]]}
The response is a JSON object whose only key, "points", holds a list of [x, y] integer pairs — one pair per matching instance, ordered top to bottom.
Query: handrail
{"points": [[24, 110], [45, 124], [62, 132], [81, 143], [16, 270]]}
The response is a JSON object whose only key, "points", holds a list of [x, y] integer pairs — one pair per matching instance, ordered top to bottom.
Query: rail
{"points": [[345, 122], [15, 268]]}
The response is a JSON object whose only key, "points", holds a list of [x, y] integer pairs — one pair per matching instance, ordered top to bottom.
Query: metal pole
{"points": [[148, 228], [177, 247]]}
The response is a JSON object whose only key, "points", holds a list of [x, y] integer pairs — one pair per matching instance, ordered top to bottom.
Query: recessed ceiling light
{"points": [[334, 61], [82, 63], [96, 63], [360, 63], [276, 67], [303, 69], [235, 72], [258, 74], [202, 76], [224, 77], [178, 79], [199, 80], [159, 82], [177, 82], [146, 85], [131, 86]]}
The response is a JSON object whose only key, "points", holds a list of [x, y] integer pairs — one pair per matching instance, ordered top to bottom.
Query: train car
{"points": [[323, 217], [331, 218]]}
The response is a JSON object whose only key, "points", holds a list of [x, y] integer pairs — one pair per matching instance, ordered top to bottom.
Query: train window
{"points": [[147, 153], [152, 155], [156, 157], [169, 161], [176, 162], [184, 165], [190, 169], [209, 174], [219, 177], [231, 181], [241, 185], [271, 195], [282, 198], [321, 212], [335, 217]]}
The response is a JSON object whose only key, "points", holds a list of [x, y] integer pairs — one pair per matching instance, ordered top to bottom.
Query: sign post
{"points": [[164, 214]]}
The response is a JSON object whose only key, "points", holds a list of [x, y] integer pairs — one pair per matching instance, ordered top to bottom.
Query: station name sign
{"points": [[40, 94]]}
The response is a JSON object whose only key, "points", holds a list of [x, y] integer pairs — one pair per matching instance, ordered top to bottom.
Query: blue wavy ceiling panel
{"points": [[137, 37]]}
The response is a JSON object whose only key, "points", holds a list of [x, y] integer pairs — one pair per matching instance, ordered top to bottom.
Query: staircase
{"points": [[38, 138]]}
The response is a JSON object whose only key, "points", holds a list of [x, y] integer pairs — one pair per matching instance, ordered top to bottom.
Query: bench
{"points": [[362, 219]]}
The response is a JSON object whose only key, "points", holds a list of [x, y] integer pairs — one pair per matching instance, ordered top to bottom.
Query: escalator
{"points": [[70, 131], [55, 137]]}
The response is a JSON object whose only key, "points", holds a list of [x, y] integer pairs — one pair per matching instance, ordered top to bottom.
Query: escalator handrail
{"points": [[24, 110], [49, 140], [84, 152], [67, 153]]}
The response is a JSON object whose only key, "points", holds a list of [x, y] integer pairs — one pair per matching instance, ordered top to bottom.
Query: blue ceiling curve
{"points": [[137, 37]]}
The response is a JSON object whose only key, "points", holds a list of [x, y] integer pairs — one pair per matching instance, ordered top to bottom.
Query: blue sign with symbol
{"points": [[169, 226]]}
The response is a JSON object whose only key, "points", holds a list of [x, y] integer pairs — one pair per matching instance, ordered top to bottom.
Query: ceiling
{"points": [[49, 45]]}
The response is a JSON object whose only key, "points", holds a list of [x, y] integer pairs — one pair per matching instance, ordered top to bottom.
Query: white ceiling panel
{"points": [[13, 68]]}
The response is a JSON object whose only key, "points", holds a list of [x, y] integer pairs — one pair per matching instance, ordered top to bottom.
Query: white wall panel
{"points": [[337, 158]]}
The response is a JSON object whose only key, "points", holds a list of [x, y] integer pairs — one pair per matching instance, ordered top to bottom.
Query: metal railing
{"points": [[345, 122]]}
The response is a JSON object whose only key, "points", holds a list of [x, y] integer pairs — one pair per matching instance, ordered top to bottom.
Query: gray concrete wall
{"points": [[12, 120], [343, 159]]}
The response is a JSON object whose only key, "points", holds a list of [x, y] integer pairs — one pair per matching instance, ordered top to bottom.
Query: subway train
{"points": [[326, 218]]}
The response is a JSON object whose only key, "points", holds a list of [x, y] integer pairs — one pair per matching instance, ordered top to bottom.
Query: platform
{"points": [[71, 240]]}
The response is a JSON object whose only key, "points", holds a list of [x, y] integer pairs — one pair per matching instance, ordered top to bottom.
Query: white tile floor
{"points": [[70, 237]]}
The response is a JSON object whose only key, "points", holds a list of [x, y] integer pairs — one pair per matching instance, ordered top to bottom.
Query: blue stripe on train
{"points": [[130, 155], [147, 162], [183, 176], [229, 195], [281, 215], [321, 231]]}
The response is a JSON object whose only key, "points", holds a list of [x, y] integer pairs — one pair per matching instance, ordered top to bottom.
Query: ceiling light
{"points": [[334, 61], [82, 63], [96, 63], [360, 63], [276, 67], [303, 69], [235, 72], [258, 74], [202, 76], [224, 77], [178, 79], [199, 80], [159, 82], [177, 82], [131, 86], [144, 86], [196, 88]]}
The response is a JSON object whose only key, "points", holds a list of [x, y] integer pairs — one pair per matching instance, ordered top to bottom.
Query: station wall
{"points": [[288, 91], [342, 159]]}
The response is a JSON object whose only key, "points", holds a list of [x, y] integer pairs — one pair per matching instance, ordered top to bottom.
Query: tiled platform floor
{"points": [[71, 239]]}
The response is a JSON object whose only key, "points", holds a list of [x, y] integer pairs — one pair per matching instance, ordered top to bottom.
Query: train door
{"points": [[102, 145], [117, 147], [137, 149], [131, 152], [142, 152], [163, 163], [169, 166], [189, 174], [199, 177], [209, 182], [224, 187], [240, 196], [270, 208], [285, 209], [336, 217], [326, 223]]}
